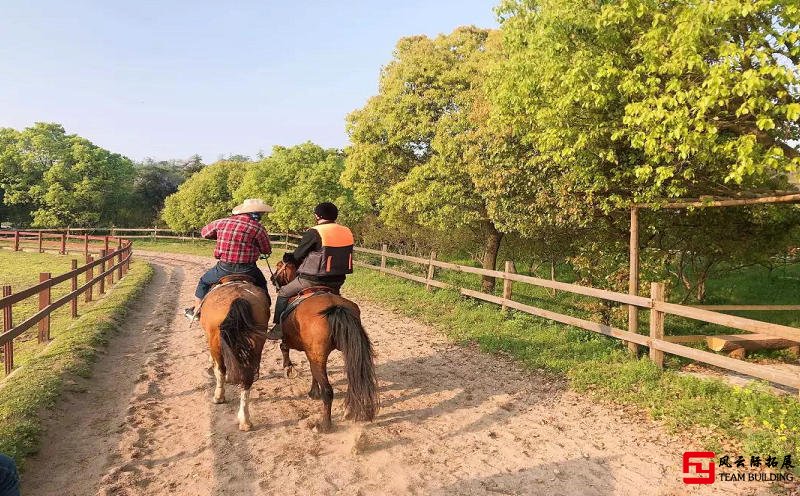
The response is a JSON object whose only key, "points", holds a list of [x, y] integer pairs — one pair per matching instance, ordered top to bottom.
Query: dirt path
{"points": [[454, 421]]}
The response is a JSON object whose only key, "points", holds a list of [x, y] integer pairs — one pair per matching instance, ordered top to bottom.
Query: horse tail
{"points": [[242, 342], [361, 400]]}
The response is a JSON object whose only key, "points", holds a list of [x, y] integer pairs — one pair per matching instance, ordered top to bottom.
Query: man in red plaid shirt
{"points": [[241, 239]]}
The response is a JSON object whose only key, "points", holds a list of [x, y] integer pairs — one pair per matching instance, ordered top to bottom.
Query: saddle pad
{"points": [[303, 296]]}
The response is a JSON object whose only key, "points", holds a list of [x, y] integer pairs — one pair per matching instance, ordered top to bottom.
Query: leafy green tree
{"points": [[644, 99], [639, 100], [404, 161], [192, 165], [62, 179], [294, 180], [151, 186], [205, 196]]}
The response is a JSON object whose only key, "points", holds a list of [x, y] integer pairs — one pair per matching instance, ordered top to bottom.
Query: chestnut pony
{"points": [[234, 317], [319, 325]]}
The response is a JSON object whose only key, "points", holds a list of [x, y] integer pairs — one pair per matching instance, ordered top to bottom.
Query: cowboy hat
{"points": [[251, 206]]}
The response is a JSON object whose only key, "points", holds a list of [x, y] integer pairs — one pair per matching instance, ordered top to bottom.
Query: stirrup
{"points": [[190, 314], [275, 333]]}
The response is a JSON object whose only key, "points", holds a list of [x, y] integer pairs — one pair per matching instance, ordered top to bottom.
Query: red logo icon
{"points": [[698, 460]]}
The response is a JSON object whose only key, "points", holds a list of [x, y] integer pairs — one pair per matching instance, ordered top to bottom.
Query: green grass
{"points": [[200, 247], [21, 270], [36, 386], [719, 415]]}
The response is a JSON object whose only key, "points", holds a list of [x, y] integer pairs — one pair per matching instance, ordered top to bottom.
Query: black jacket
{"points": [[310, 242]]}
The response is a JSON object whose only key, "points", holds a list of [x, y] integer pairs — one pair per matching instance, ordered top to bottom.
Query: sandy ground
{"points": [[453, 421]]}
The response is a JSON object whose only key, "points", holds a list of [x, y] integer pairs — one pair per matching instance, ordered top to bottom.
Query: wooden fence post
{"points": [[155, 233], [16, 240], [105, 240], [287, 241], [63, 244], [86, 244], [41, 249], [384, 249], [119, 259], [110, 267], [431, 271], [89, 277], [633, 279], [102, 281], [507, 284], [74, 286], [44, 301], [657, 323], [8, 348]]}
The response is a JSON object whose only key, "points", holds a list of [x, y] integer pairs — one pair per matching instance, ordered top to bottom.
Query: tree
{"points": [[640, 100], [402, 161], [192, 165], [62, 179], [294, 180], [151, 186], [206, 196]]}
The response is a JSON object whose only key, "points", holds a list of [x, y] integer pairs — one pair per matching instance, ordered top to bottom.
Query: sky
{"points": [[169, 79]]}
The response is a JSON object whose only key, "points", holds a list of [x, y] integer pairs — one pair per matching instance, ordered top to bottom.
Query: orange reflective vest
{"points": [[335, 257]]}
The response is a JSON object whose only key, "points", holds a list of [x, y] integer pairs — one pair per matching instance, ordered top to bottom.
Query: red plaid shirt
{"points": [[240, 239]]}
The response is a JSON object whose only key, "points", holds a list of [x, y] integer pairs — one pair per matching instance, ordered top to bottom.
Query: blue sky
{"points": [[172, 78]]}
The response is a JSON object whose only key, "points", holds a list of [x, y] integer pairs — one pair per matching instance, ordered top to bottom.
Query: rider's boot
{"points": [[193, 312], [275, 333]]}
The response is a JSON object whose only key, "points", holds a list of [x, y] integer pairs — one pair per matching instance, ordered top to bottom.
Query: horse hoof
{"points": [[210, 371], [292, 373], [218, 401], [245, 427]]}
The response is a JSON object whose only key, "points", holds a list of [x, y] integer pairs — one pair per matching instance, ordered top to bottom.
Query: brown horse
{"points": [[234, 316], [319, 325]]}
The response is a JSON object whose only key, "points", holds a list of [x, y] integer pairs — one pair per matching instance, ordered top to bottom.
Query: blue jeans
{"points": [[223, 269], [9, 478]]}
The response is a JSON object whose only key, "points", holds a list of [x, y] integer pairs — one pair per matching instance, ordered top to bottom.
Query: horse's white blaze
{"points": [[219, 391], [244, 409]]}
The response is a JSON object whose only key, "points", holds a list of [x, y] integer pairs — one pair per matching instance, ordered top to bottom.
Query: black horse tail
{"points": [[242, 342], [361, 401]]}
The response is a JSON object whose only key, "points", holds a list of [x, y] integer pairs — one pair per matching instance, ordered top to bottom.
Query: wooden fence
{"points": [[110, 264], [655, 304]]}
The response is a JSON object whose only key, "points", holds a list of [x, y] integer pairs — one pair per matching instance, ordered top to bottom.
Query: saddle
{"points": [[236, 278], [305, 294]]}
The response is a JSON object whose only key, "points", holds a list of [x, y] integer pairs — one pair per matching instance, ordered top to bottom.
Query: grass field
{"points": [[200, 247], [21, 270], [37, 384]]}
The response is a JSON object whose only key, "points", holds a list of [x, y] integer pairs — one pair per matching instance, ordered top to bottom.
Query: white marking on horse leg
{"points": [[210, 369], [219, 391], [244, 410]]}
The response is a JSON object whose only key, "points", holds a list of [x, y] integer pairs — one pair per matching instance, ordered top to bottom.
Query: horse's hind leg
{"points": [[288, 366], [320, 372], [219, 375], [314, 394], [244, 410]]}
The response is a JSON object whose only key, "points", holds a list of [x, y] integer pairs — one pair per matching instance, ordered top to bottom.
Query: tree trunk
{"points": [[491, 248]]}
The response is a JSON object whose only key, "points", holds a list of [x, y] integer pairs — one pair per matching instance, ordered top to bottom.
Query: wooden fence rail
{"points": [[113, 266], [655, 304], [658, 308]]}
